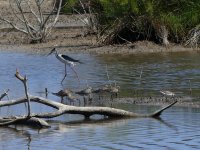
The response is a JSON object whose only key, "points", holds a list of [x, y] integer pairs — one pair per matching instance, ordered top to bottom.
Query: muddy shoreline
{"points": [[73, 40], [140, 47]]}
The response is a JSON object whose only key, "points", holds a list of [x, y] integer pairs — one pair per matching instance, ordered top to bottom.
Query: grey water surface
{"points": [[177, 128]]}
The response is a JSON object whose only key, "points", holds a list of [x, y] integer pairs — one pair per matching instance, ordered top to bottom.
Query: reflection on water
{"points": [[176, 130]]}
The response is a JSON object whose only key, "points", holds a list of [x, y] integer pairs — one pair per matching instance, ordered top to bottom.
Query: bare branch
{"points": [[38, 4], [32, 11], [55, 20], [14, 26], [38, 27], [24, 81]]}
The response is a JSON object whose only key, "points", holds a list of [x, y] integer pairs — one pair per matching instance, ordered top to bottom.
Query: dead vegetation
{"points": [[32, 18]]}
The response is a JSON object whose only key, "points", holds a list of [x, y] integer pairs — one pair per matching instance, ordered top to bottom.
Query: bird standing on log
{"points": [[71, 62]]}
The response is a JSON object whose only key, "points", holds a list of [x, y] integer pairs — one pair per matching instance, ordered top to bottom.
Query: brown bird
{"points": [[101, 90], [114, 91], [86, 92], [63, 93], [72, 98]]}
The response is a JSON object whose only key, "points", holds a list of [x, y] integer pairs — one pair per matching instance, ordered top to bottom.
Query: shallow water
{"points": [[178, 128]]}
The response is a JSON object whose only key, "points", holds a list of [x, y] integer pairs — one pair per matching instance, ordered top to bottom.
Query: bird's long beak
{"points": [[53, 50]]}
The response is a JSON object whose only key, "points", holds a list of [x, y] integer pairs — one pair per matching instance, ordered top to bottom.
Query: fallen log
{"points": [[85, 111]]}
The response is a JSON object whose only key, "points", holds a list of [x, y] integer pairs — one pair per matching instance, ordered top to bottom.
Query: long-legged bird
{"points": [[71, 62]]}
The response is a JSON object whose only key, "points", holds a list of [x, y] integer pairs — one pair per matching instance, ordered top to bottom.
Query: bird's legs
{"points": [[75, 73], [65, 74]]}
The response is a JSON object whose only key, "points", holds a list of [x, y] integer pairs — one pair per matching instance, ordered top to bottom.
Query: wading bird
{"points": [[67, 61], [101, 91], [114, 91], [86, 92], [63, 93], [68, 94], [168, 94], [72, 98]]}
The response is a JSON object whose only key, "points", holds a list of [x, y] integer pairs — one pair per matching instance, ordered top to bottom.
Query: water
{"points": [[178, 128]]}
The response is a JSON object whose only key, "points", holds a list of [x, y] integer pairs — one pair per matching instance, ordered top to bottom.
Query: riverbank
{"points": [[73, 39]]}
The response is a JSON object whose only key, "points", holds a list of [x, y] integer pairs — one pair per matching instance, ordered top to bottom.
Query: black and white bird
{"points": [[71, 62]]}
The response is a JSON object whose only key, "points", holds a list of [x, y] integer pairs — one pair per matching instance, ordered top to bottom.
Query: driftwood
{"points": [[86, 111], [36, 119]]}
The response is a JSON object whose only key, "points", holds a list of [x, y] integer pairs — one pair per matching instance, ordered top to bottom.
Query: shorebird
{"points": [[71, 62], [101, 90], [114, 90], [86, 92], [63, 93], [167, 93], [72, 98]]}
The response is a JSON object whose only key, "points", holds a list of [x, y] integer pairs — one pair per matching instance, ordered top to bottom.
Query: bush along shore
{"points": [[125, 21]]}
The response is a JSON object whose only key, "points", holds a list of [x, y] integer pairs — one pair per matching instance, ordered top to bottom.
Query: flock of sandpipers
{"points": [[88, 93]]}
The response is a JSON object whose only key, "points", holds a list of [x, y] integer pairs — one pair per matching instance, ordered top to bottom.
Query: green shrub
{"points": [[145, 17]]}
